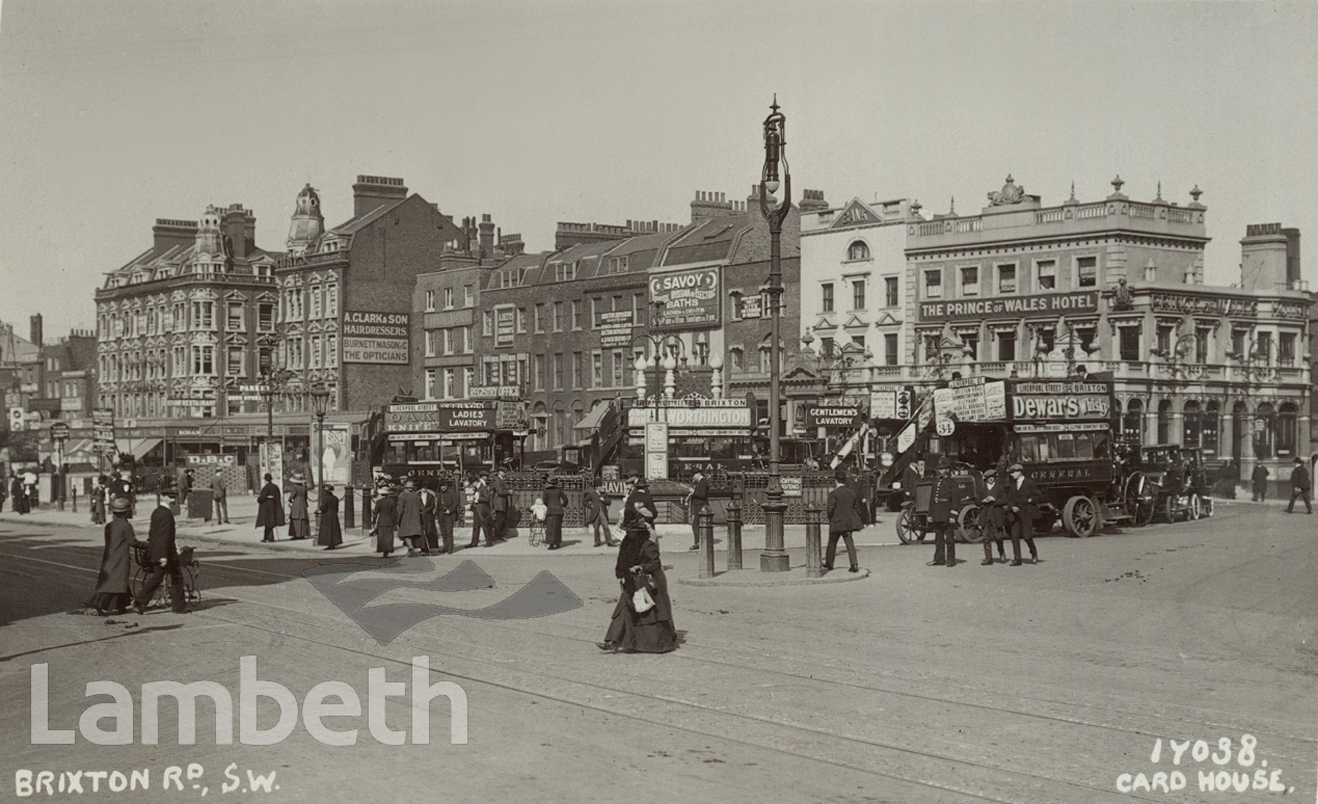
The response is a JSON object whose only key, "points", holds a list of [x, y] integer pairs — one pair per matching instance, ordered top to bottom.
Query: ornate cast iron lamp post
{"points": [[774, 558]]}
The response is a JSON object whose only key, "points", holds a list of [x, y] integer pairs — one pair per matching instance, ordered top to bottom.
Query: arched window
{"points": [[858, 251], [737, 358], [1212, 418], [540, 421], [1164, 421], [1287, 421], [1133, 423], [559, 429], [1193, 429], [1265, 431]]}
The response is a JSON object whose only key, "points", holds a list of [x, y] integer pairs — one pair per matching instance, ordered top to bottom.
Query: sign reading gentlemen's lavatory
{"points": [[687, 299]]}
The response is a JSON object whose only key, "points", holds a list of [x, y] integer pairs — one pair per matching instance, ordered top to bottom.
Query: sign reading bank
{"points": [[1084, 301], [375, 337]]}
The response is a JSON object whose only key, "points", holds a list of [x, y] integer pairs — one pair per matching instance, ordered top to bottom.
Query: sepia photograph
{"points": [[317, 485]]}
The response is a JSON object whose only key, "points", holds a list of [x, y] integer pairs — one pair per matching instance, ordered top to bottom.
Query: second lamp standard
{"points": [[669, 355], [320, 397], [774, 558]]}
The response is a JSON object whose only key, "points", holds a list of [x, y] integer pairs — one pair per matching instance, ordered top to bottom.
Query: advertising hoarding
{"points": [[687, 299], [371, 337]]}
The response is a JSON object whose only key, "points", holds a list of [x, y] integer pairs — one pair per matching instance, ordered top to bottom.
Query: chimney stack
{"points": [[374, 191], [487, 236], [35, 322]]}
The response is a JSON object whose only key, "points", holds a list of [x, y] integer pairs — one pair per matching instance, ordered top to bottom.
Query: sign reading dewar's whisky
{"points": [[376, 337]]}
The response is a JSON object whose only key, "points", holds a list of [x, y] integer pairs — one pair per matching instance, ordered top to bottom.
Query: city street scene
{"points": [[317, 485]]}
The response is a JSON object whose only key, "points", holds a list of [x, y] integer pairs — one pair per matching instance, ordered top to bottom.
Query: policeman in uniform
{"points": [[944, 501]]}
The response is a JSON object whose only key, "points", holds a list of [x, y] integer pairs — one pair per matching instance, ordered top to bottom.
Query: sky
{"points": [[113, 114]]}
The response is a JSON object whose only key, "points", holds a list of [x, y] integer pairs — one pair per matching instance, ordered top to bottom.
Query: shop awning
{"points": [[591, 421], [137, 447]]}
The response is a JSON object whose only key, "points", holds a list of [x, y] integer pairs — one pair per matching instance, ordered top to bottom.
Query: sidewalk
{"points": [[576, 541]]}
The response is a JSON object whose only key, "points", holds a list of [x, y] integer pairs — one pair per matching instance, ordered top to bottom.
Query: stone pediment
{"points": [[855, 214], [887, 319], [855, 322]]}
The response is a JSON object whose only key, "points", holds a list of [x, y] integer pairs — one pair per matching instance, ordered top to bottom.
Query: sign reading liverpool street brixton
{"points": [[687, 298], [1084, 301], [375, 337], [1060, 400], [701, 413], [831, 415], [424, 417]]}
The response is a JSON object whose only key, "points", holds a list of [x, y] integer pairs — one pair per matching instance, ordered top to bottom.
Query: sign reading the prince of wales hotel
{"points": [[1084, 301]]}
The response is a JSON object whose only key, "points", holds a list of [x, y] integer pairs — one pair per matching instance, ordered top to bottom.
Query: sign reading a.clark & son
{"points": [[1084, 301]]}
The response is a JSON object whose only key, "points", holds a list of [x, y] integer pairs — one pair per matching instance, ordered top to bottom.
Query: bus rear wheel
{"points": [[1080, 516]]}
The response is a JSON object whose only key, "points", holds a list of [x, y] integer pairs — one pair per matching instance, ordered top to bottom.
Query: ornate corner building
{"points": [[184, 319]]}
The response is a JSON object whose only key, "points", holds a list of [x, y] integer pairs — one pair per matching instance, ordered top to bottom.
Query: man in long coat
{"points": [[1260, 481], [1300, 486], [18, 495], [428, 499], [555, 501], [699, 502], [500, 503], [448, 507], [269, 509], [1022, 509], [481, 515], [596, 517], [386, 520], [843, 520], [410, 527], [328, 532], [162, 557]]}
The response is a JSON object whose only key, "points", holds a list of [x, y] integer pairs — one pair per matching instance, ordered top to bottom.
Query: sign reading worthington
{"points": [[687, 298], [1085, 301], [376, 337], [727, 415]]}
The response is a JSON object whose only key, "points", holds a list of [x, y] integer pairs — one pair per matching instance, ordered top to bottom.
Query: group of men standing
{"points": [[1009, 507]]}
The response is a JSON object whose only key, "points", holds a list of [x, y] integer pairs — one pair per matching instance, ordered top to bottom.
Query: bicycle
{"points": [[189, 568]]}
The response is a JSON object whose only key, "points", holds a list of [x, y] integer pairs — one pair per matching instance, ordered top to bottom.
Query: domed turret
{"points": [[307, 223], [208, 233]]}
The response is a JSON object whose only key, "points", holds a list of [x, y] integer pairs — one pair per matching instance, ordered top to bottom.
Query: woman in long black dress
{"points": [[329, 535], [639, 566], [113, 593]]}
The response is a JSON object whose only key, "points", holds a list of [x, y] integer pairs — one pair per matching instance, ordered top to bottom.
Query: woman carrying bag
{"points": [[643, 619]]}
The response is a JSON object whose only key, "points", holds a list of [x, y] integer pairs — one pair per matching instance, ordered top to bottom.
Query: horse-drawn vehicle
{"points": [[1178, 482]]}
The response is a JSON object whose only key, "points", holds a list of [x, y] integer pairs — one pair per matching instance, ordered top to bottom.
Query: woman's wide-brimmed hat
{"points": [[297, 478]]}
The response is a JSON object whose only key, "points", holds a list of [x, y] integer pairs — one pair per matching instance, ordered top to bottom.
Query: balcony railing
{"points": [[1158, 372]]}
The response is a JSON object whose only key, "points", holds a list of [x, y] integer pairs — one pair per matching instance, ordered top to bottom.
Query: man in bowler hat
{"points": [[843, 520], [163, 557]]}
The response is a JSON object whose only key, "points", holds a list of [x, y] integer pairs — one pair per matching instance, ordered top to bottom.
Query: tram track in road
{"points": [[524, 670]]}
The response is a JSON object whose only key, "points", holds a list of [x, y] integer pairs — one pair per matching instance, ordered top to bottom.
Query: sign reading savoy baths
{"points": [[687, 298], [1085, 301]]}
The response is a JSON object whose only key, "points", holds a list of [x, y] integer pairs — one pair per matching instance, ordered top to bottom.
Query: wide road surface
{"points": [[1071, 681]]}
